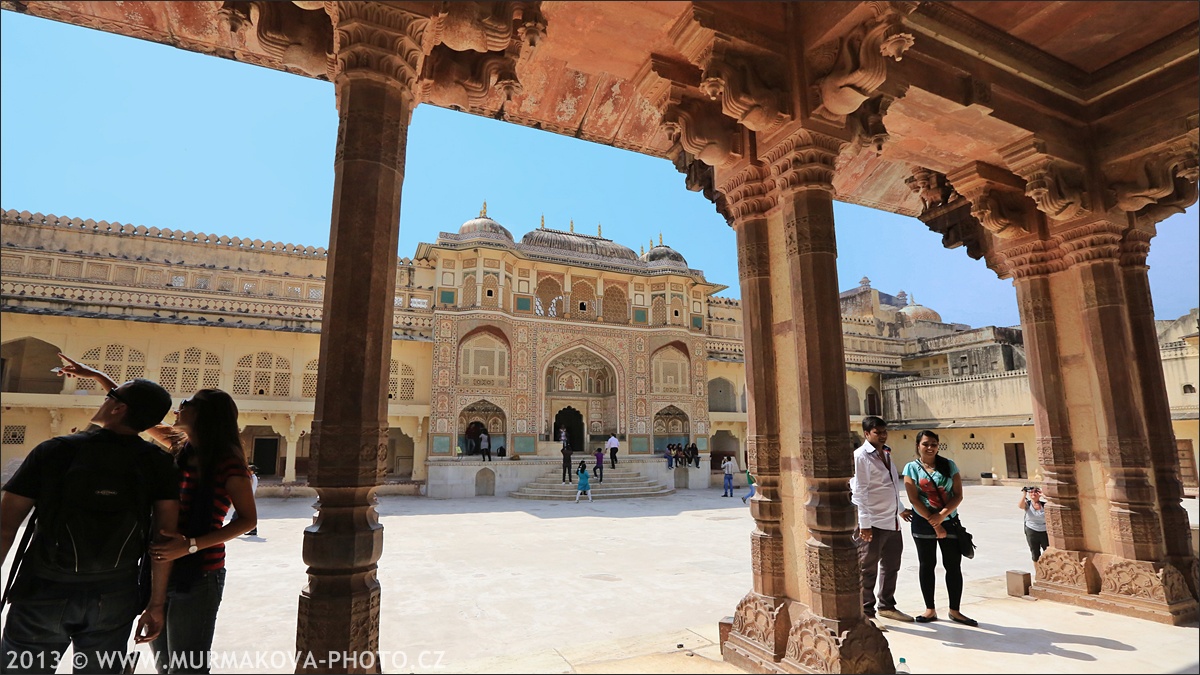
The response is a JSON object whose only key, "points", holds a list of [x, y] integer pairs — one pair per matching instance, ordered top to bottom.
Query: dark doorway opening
{"points": [[572, 420], [474, 429], [266, 456], [1014, 458]]}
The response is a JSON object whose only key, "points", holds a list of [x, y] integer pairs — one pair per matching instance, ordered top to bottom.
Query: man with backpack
{"points": [[96, 498]]}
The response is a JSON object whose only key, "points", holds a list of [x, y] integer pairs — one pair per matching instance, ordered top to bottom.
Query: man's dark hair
{"points": [[147, 403], [871, 423]]}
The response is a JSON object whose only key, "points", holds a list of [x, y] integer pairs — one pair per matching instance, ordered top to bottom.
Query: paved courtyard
{"points": [[495, 584]]}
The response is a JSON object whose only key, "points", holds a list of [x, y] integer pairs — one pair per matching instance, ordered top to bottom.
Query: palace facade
{"points": [[556, 330]]}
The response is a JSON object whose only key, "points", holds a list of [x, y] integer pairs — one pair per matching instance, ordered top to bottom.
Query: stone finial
{"points": [[483, 211], [543, 225], [572, 225], [599, 232], [660, 239], [651, 242], [642, 249], [864, 282]]}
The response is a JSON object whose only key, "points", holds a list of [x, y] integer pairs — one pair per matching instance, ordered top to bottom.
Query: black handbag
{"points": [[966, 540]]}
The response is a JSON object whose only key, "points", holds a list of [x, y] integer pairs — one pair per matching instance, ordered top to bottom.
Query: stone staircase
{"points": [[618, 484]]}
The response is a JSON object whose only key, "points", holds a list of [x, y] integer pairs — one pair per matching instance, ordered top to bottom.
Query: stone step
{"points": [[618, 484], [519, 494]]}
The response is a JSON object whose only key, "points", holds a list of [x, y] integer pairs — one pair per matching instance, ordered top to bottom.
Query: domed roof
{"points": [[483, 224], [573, 242], [664, 252], [920, 313]]}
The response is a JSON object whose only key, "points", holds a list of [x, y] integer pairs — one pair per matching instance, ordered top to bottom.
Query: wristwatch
{"points": [[192, 547]]}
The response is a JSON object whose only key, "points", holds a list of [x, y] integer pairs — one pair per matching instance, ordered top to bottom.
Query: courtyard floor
{"points": [[494, 584]]}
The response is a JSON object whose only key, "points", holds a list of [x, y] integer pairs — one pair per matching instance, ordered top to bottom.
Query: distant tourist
{"points": [[613, 445], [485, 446], [694, 451], [670, 453], [566, 462], [729, 467], [598, 470], [585, 487], [753, 488], [1034, 506]]}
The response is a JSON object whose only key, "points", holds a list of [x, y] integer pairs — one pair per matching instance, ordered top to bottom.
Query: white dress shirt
{"points": [[612, 442], [875, 488]]}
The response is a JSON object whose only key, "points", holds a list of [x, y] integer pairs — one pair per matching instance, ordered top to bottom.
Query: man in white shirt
{"points": [[613, 445], [729, 466], [875, 490]]}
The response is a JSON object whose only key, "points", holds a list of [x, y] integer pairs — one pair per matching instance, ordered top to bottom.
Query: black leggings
{"points": [[951, 560]]}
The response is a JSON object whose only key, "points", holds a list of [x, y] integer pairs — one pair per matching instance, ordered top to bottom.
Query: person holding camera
{"points": [[1035, 520]]}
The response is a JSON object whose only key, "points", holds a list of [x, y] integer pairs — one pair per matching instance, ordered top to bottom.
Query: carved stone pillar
{"points": [[377, 52], [1177, 534], [760, 622], [831, 629]]}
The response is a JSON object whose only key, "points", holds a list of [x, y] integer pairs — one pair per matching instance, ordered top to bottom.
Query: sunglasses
{"points": [[112, 393]]}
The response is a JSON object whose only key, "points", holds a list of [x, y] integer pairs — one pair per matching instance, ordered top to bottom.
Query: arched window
{"points": [[469, 292], [491, 292], [548, 300], [583, 300], [616, 305], [658, 311], [484, 361], [121, 363], [191, 369], [670, 371], [262, 374], [402, 381], [308, 383], [1189, 389], [721, 396], [853, 403], [873, 407]]}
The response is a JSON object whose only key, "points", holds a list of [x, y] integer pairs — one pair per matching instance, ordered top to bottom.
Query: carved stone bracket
{"points": [[287, 31], [477, 46], [850, 69], [703, 131], [1158, 184], [1055, 185], [931, 188], [997, 198], [761, 624], [813, 648]]}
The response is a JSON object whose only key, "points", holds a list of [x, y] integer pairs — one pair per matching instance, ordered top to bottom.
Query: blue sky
{"points": [[111, 128]]}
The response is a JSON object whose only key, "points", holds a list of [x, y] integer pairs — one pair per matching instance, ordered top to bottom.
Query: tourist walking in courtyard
{"points": [[613, 445], [485, 446], [670, 453], [566, 463], [729, 467], [598, 470], [585, 487], [753, 488], [935, 491], [875, 492], [1035, 520]]}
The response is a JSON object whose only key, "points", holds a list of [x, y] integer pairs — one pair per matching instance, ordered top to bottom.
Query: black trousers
{"points": [[487, 454], [612, 456], [567, 470]]}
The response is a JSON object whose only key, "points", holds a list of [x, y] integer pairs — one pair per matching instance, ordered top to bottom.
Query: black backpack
{"points": [[93, 523]]}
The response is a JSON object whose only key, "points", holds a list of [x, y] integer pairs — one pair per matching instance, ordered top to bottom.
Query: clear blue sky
{"points": [[111, 128]]}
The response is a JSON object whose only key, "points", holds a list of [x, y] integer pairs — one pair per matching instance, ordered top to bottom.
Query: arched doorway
{"points": [[27, 363], [583, 380], [477, 417], [572, 420], [670, 426], [724, 444], [485, 483]]}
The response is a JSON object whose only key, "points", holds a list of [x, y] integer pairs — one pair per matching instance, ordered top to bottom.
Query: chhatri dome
{"points": [[484, 225], [575, 243], [663, 253], [920, 312]]}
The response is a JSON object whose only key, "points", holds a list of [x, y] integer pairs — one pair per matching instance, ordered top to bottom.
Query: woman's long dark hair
{"points": [[941, 464]]}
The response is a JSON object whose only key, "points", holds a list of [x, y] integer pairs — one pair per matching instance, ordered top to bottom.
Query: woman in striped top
{"points": [[209, 454]]}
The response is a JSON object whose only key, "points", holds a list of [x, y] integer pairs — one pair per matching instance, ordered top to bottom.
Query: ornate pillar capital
{"points": [[377, 41], [689, 117], [803, 161]]}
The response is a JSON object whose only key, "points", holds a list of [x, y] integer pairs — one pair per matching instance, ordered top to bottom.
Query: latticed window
{"points": [[583, 297], [548, 300], [616, 306], [658, 311], [484, 362], [121, 363], [190, 369], [670, 371], [262, 374], [402, 381], [308, 385], [14, 435]]}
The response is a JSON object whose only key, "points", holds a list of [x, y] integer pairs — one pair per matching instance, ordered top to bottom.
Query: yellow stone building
{"points": [[560, 329]]}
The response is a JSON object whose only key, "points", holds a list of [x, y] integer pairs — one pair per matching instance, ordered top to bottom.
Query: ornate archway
{"points": [[583, 380], [481, 415], [572, 420], [671, 425]]}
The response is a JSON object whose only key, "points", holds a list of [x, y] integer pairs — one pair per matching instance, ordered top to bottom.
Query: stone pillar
{"points": [[378, 51], [817, 473], [1177, 533], [760, 622]]}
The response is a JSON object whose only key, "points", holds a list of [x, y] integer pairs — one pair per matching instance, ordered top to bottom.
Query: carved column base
{"points": [[1155, 591], [339, 620], [759, 635], [810, 643]]}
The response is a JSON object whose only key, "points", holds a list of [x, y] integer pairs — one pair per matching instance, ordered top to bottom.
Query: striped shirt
{"points": [[213, 556]]}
